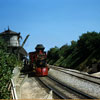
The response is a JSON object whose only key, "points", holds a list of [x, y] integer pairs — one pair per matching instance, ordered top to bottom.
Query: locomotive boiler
{"points": [[38, 61]]}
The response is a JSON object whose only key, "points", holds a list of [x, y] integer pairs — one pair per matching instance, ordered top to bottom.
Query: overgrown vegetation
{"points": [[79, 55], [7, 64]]}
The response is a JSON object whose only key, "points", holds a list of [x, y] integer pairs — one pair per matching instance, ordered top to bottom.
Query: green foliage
{"points": [[89, 41], [3, 45], [79, 54], [53, 55], [7, 64]]}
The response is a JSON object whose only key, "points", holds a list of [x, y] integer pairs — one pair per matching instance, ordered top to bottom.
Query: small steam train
{"points": [[38, 61]]}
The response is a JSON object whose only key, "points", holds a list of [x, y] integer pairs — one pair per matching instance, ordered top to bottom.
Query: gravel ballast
{"points": [[80, 84]]}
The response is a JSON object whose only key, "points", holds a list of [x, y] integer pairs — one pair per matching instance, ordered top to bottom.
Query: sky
{"points": [[50, 22]]}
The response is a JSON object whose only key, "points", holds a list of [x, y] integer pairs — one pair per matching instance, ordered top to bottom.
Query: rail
{"points": [[78, 74], [83, 82], [73, 89], [54, 90], [63, 91]]}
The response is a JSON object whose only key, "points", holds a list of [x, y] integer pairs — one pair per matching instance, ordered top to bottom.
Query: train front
{"points": [[40, 58], [38, 61]]}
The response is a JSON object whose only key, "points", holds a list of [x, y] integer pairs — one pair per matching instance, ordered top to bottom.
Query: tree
{"points": [[79, 54], [53, 55]]}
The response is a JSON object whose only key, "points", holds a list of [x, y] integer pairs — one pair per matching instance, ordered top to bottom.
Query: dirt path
{"points": [[31, 89]]}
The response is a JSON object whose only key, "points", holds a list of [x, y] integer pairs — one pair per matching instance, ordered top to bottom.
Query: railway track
{"points": [[78, 74], [81, 81], [71, 84], [63, 91]]}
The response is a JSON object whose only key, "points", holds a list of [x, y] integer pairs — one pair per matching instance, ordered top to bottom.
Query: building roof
{"points": [[10, 32], [19, 49]]}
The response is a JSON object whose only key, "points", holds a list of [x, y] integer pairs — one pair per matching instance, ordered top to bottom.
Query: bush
{"points": [[7, 64]]}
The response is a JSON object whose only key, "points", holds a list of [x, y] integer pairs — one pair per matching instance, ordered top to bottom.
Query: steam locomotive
{"points": [[38, 61]]}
